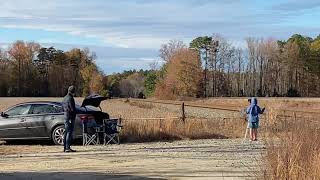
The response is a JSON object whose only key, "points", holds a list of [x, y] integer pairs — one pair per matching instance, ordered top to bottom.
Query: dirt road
{"points": [[196, 159]]}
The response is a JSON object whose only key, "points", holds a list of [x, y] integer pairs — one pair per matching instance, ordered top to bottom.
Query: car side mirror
{"points": [[4, 115]]}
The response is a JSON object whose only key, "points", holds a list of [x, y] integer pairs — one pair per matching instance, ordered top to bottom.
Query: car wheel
{"points": [[57, 135]]}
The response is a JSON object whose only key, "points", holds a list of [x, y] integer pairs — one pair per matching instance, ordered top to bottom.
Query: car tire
{"points": [[57, 135]]}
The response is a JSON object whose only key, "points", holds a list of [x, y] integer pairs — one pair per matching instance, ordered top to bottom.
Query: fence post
{"points": [[183, 115], [160, 125], [160, 129]]}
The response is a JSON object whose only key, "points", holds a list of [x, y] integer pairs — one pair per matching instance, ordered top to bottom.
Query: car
{"points": [[44, 120]]}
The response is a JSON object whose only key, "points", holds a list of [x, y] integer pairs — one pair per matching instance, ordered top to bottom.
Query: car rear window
{"points": [[88, 108]]}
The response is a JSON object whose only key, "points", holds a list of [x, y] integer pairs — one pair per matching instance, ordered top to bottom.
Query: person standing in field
{"points": [[253, 112], [70, 116]]}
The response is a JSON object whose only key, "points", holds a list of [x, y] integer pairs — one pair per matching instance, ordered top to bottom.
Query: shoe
{"points": [[70, 150], [73, 150]]}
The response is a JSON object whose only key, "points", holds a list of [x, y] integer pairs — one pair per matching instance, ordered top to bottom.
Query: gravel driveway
{"points": [[197, 159]]}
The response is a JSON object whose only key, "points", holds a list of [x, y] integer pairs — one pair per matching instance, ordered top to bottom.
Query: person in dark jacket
{"points": [[253, 112], [70, 116]]}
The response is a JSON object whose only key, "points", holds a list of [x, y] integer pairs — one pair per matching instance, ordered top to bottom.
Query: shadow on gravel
{"points": [[27, 142], [36, 142], [66, 175]]}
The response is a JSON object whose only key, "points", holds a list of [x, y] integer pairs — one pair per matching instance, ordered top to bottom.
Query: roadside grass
{"points": [[176, 129], [292, 147]]}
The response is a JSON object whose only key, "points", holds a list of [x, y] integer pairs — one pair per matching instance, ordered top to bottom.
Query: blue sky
{"points": [[127, 34]]}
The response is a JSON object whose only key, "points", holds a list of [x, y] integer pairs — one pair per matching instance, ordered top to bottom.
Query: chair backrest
{"points": [[88, 126], [111, 126]]}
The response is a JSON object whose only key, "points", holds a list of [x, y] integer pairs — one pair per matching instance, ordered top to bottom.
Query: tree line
{"points": [[210, 66], [213, 67], [27, 69], [30, 70]]}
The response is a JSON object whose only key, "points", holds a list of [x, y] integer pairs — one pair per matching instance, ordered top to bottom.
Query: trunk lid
{"points": [[93, 100]]}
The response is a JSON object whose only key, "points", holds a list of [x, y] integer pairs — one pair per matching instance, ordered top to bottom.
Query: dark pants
{"points": [[67, 139]]}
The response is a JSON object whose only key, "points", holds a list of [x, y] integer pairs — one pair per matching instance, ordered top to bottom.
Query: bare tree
{"points": [[169, 49]]}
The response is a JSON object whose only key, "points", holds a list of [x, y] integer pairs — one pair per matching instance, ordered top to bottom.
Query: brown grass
{"points": [[140, 104], [176, 129], [293, 148]]}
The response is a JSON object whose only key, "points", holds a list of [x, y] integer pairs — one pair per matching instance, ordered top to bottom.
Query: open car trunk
{"points": [[95, 101]]}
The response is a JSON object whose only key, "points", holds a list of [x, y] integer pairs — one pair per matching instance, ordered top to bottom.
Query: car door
{"points": [[43, 115], [14, 125]]}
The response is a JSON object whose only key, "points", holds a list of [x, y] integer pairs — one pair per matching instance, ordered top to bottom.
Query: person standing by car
{"points": [[70, 116]]}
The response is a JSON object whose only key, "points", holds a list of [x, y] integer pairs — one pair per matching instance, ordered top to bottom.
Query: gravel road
{"points": [[197, 159]]}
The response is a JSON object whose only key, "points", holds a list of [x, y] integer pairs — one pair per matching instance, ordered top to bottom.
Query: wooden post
{"points": [[183, 116], [160, 129]]}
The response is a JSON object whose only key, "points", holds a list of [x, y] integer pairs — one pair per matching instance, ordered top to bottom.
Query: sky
{"points": [[127, 34]]}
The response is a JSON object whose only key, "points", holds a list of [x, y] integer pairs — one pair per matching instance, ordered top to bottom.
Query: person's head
{"points": [[71, 90], [249, 100], [254, 101]]}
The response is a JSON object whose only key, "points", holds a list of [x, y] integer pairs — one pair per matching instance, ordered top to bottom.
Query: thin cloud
{"points": [[297, 5]]}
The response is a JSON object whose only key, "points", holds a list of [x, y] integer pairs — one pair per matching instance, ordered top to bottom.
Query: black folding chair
{"points": [[112, 129], [90, 132]]}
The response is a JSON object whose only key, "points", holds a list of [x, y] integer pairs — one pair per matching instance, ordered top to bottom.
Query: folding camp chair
{"points": [[112, 129], [90, 132]]}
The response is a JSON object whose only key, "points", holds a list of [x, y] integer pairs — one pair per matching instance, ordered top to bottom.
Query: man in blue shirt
{"points": [[70, 116]]}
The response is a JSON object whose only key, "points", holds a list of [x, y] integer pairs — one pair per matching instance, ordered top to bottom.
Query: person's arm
{"points": [[72, 105], [248, 110], [261, 111]]}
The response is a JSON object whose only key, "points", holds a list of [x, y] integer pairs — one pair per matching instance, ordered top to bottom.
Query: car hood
{"points": [[93, 100]]}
